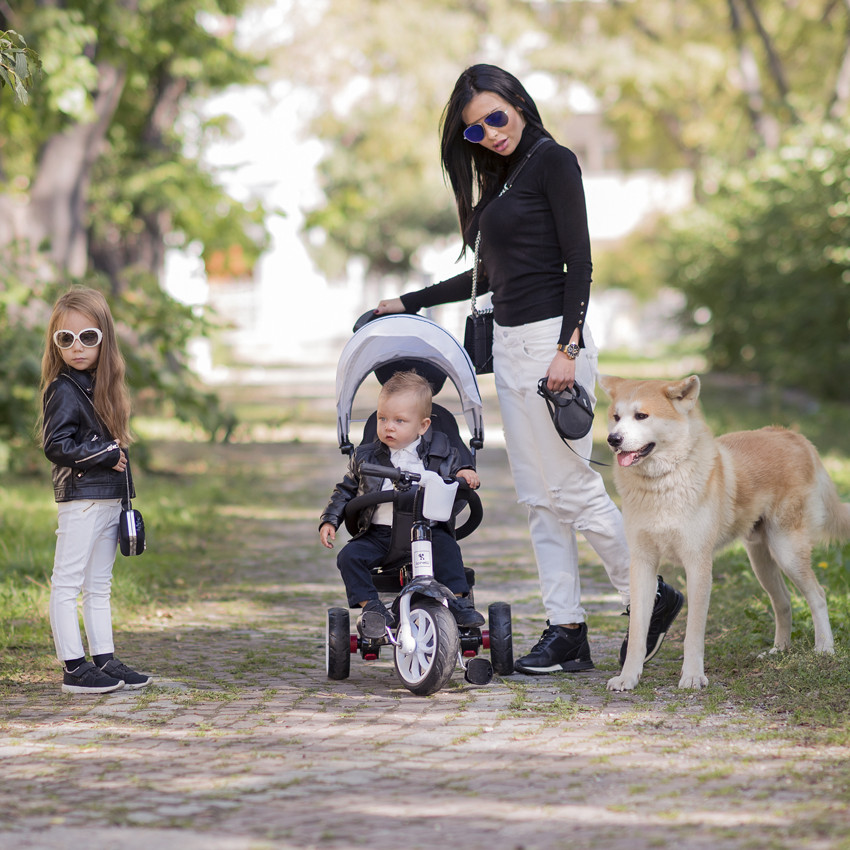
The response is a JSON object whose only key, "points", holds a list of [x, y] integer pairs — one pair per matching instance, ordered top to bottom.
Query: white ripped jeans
{"points": [[564, 494], [86, 545]]}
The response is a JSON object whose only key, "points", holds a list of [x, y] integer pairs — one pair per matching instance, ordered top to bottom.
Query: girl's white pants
{"points": [[563, 493], [86, 545]]}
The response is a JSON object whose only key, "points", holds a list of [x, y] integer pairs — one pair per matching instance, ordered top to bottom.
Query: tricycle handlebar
{"points": [[390, 472]]}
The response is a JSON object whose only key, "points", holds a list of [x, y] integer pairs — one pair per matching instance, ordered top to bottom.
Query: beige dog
{"points": [[686, 494]]}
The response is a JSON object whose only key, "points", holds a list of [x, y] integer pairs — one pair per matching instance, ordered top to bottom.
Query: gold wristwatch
{"points": [[571, 349]]}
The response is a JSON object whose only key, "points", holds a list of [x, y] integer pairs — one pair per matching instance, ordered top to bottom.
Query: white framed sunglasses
{"points": [[475, 132], [88, 337]]}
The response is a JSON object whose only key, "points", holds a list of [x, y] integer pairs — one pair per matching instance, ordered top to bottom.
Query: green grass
{"points": [[197, 498], [184, 533], [798, 688]]}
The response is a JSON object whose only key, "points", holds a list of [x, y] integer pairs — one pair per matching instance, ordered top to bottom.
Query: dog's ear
{"points": [[609, 383], [685, 392]]}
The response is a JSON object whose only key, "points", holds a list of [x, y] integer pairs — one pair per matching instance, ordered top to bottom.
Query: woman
{"points": [[528, 234]]}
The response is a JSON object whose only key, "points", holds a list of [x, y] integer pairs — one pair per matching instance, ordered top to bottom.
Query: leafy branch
{"points": [[18, 65]]}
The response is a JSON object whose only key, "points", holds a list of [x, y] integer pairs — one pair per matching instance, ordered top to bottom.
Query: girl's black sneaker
{"points": [[130, 678], [89, 679]]}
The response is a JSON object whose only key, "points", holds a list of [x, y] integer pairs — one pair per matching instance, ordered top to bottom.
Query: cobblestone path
{"points": [[244, 744]]}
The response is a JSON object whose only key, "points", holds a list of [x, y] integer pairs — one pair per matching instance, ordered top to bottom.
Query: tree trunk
{"points": [[774, 64], [841, 93], [765, 125], [57, 209], [114, 253]]}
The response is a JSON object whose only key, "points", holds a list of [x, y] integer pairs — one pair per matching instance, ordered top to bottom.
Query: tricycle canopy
{"points": [[405, 337]]}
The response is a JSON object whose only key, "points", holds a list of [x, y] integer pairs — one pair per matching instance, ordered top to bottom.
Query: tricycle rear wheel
{"points": [[501, 638], [338, 644]]}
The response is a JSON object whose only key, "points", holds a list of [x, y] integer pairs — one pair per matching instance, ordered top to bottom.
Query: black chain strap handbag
{"points": [[478, 336]]}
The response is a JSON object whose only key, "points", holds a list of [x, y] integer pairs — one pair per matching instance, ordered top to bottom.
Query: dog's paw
{"points": [[774, 650], [693, 682], [623, 683]]}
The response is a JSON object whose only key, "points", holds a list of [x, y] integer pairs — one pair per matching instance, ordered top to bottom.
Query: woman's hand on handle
{"points": [[389, 305], [561, 373]]}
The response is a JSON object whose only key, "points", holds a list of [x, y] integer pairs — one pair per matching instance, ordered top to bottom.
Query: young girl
{"points": [[85, 432]]}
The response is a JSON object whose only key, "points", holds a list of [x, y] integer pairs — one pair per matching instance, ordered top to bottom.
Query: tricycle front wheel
{"points": [[430, 665]]}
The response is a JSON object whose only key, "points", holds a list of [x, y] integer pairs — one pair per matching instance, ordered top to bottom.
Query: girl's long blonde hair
{"points": [[111, 397]]}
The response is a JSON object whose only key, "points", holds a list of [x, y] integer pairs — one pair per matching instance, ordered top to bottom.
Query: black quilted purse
{"points": [[131, 527]]}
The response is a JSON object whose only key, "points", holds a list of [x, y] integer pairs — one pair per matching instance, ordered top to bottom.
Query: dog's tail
{"points": [[836, 524]]}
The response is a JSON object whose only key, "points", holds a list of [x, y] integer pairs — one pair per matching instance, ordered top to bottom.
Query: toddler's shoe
{"points": [[464, 613], [375, 620], [127, 675], [89, 679]]}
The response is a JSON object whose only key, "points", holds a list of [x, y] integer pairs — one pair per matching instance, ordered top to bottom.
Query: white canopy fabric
{"points": [[402, 336]]}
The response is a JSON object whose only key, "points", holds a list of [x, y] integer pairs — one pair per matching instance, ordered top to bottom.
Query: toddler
{"points": [[405, 441]]}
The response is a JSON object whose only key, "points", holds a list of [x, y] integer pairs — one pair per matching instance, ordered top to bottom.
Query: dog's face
{"points": [[649, 421]]}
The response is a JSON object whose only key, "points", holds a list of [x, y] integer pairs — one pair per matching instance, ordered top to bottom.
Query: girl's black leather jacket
{"points": [[83, 452]]}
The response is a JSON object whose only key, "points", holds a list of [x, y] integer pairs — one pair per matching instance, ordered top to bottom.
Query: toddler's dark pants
{"points": [[358, 556]]}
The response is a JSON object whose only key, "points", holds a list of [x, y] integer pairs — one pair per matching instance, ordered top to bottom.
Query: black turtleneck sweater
{"points": [[528, 236]]}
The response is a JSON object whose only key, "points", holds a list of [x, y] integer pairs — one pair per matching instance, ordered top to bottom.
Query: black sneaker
{"points": [[668, 603], [464, 613], [375, 620], [558, 649], [127, 675], [89, 679]]}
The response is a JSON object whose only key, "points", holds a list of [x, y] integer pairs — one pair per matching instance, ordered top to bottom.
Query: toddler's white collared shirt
{"points": [[408, 460]]}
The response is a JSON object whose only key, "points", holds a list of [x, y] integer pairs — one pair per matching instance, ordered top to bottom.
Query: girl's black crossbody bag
{"points": [[131, 527]]}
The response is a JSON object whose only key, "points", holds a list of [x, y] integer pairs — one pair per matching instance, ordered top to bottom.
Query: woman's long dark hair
{"points": [[475, 173]]}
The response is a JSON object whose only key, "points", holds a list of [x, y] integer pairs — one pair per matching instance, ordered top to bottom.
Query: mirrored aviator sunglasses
{"points": [[475, 132], [89, 337]]}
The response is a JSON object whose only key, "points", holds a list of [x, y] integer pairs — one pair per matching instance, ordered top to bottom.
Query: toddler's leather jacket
{"points": [[83, 452], [436, 452]]}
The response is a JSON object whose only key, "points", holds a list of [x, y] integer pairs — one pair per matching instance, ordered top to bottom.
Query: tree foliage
{"points": [[18, 65], [381, 71], [691, 83], [681, 84], [719, 86], [764, 127], [100, 157], [102, 170], [768, 254]]}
